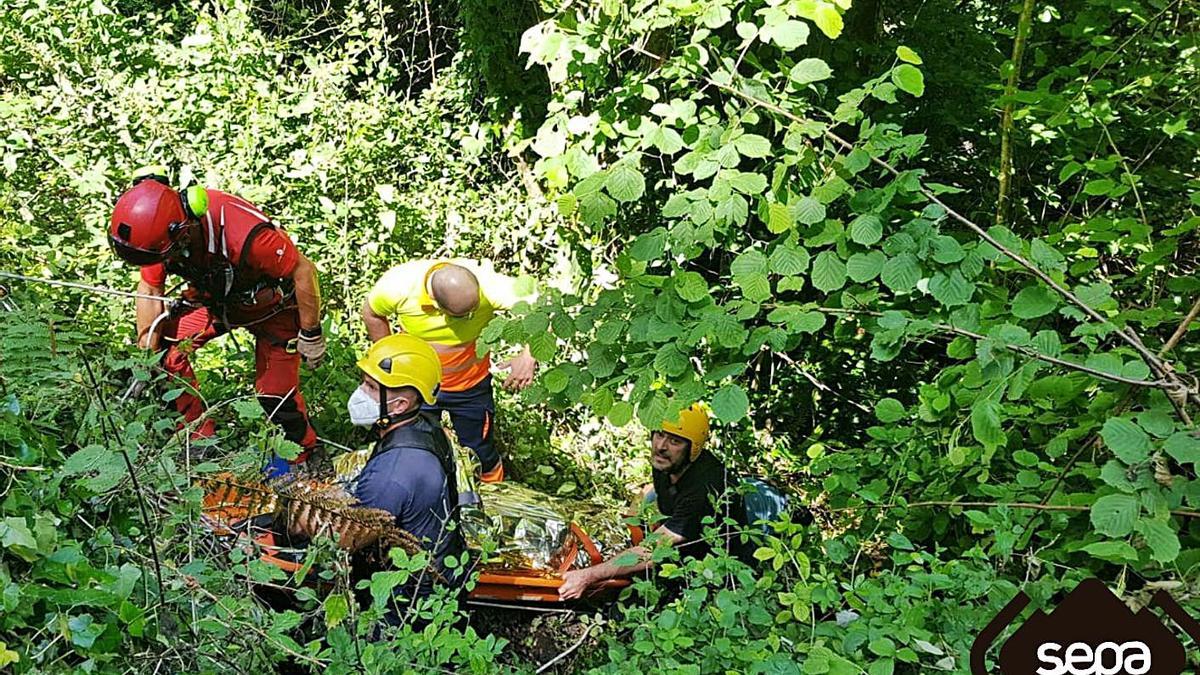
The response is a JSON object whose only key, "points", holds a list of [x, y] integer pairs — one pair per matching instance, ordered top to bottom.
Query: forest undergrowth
{"points": [[932, 265]]}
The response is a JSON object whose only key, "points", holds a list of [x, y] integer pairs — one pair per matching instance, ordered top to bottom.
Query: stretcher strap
{"points": [[636, 534], [588, 544]]}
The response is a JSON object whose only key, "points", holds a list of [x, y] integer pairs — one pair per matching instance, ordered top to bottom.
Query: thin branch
{"points": [[1183, 326], [819, 384], [1157, 384], [583, 638]]}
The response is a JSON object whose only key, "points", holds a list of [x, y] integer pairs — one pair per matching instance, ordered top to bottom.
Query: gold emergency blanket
{"points": [[528, 529]]}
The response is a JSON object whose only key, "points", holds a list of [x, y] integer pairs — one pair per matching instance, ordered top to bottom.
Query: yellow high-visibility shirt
{"points": [[403, 292]]}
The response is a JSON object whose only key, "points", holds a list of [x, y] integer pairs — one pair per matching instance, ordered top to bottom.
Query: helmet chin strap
{"points": [[386, 420]]}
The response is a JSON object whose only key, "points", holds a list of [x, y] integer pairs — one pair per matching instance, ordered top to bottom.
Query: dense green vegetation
{"points": [[942, 291]]}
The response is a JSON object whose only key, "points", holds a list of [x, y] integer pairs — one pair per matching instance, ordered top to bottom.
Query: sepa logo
{"points": [[1091, 632]]}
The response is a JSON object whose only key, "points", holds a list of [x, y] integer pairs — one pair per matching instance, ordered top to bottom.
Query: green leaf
{"points": [[828, 20], [790, 34], [907, 55], [810, 70], [909, 79], [752, 145], [857, 160], [1069, 169], [748, 182], [625, 183], [1098, 186], [596, 207], [809, 211], [779, 218], [866, 229], [649, 246], [947, 250], [789, 260], [749, 262], [863, 267], [828, 272], [750, 273], [901, 273], [691, 286], [755, 287], [951, 290], [1033, 302], [808, 322], [543, 346], [670, 361], [555, 380], [730, 403], [889, 410], [620, 413], [985, 423], [1127, 440], [1183, 447], [1115, 515], [16, 536], [1162, 540], [1112, 551], [337, 608], [882, 646]]}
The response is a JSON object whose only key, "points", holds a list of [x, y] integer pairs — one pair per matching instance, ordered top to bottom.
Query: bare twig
{"points": [[1179, 332], [819, 384], [583, 638]]}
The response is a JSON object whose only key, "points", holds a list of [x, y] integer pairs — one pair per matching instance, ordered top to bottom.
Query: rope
{"points": [[85, 287]]}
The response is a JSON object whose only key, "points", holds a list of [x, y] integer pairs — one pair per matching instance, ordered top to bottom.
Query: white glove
{"points": [[311, 346]]}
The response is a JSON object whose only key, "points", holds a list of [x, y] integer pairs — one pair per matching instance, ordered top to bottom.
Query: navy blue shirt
{"points": [[407, 480]]}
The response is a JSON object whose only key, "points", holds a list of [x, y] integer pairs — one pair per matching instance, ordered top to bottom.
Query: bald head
{"points": [[455, 290]]}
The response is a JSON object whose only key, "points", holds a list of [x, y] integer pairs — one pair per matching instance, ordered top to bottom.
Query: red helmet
{"points": [[146, 222]]}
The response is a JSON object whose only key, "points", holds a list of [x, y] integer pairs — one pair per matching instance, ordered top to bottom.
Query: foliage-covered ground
{"points": [[933, 264]]}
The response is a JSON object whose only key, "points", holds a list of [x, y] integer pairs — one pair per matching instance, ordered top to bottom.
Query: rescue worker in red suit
{"points": [[242, 272]]}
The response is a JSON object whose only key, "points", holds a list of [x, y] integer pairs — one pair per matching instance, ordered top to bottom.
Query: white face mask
{"points": [[363, 408]]}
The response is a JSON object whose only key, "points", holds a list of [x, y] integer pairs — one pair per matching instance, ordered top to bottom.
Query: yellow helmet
{"points": [[402, 360], [692, 425]]}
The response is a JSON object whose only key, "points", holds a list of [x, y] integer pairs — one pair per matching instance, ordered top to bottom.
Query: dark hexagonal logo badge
{"points": [[1091, 632]]}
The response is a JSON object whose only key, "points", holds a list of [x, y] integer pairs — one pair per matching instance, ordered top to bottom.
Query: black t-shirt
{"points": [[686, 503]]}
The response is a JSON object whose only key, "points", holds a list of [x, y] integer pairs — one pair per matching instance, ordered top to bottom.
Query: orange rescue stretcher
{"points": [[496, 581], [526, 584]]}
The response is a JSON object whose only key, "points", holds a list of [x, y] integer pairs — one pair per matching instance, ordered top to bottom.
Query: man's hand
{"points": [[311, 345], [521, 369], [575, 582]]}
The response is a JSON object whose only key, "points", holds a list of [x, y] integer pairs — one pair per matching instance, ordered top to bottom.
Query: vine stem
{"points": [[1177, 391], [1185, 513]]}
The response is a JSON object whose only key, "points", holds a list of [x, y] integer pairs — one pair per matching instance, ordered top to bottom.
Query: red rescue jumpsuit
{"points": [[238, 271]]}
